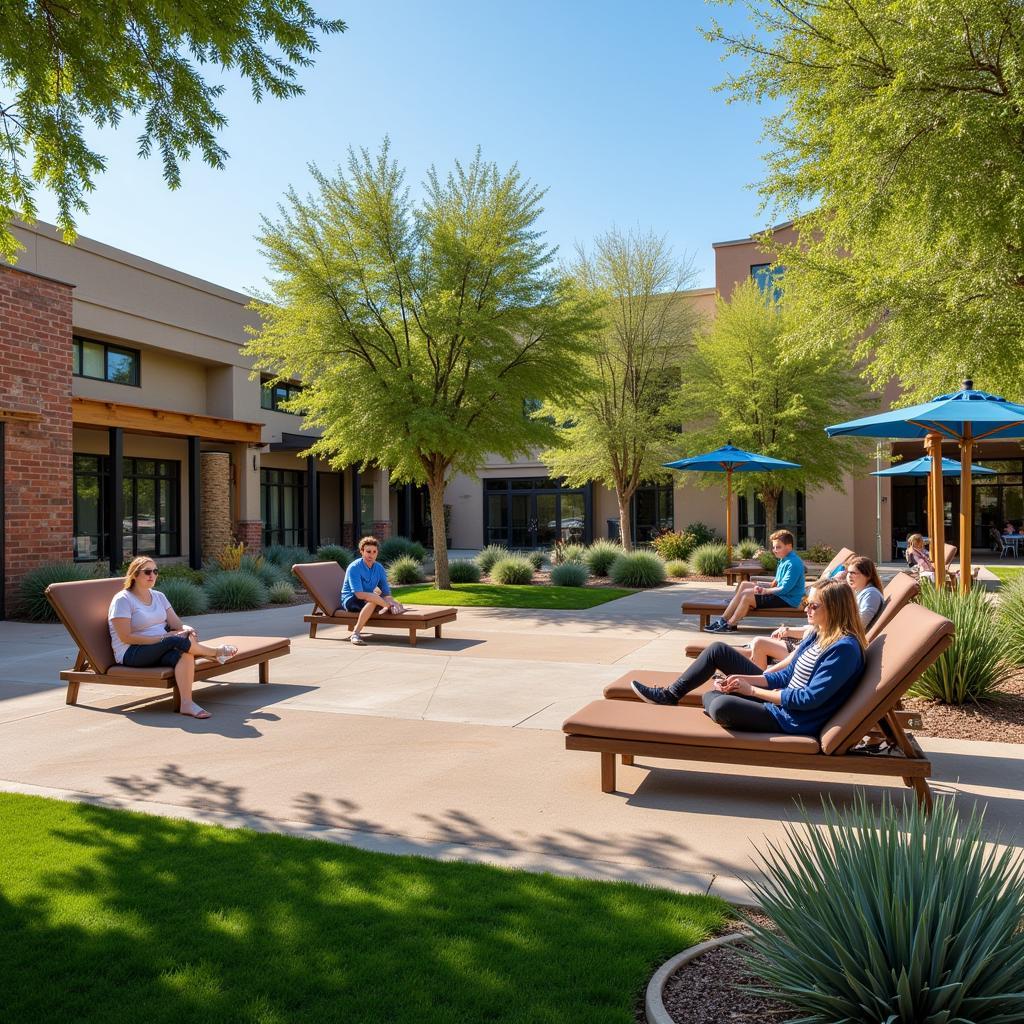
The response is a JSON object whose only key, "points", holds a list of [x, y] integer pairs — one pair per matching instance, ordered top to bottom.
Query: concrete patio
{"points": [[450, 749]]}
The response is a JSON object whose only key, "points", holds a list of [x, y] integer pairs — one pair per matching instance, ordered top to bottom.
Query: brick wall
{"points": [[35, 379], [250, 533]]}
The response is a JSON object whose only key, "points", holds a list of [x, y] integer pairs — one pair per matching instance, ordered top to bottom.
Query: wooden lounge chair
{"points": [[323, 581], [82, 607], [707, 610], [895, 659]]}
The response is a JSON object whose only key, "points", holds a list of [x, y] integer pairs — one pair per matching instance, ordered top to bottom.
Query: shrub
{"points": [[702, 534], [674, 545], [401, 547], [747, 548], [335, 553], [821, 553], [491, 554], [562, 554], [600, 555], [286, 556], [231, 557], [535, 558], [710, 560], [768, 561], [678, 567], [512, 569], [637, 569], [404, 570], [179, 571], [464, 571], [266, 572], [569, 574], [235, 591], [281, 592], [186, 598], [30, 599], [1010, 615], [971, 669], [895, 916]]}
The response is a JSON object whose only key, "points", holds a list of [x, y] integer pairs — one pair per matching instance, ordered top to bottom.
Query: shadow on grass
{"points": [[106, 915]]}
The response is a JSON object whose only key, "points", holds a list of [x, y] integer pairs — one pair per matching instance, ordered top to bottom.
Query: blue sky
{"points": [[608, 105]]}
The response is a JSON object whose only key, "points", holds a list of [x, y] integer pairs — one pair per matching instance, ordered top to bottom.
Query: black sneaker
{"points": [[718, 626], [726, 627], [654, 694]]}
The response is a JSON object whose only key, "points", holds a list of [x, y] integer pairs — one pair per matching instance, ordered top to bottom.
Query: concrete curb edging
{"points": [[654, 1006]]}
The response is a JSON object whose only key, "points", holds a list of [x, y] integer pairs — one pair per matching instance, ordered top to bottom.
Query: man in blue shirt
{"points": [[363, 578], [786, 590]]}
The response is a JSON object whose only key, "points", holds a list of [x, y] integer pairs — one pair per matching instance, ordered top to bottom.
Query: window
{"points": [[768, 277], [101, 361], [272, 395], [283, 501], [151, 507], [366, 508], [651, 511], [532, 512], [790, 514]]}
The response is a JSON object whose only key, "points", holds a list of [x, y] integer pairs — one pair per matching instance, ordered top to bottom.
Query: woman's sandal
{"points": [[226, 652], [200, 714]]}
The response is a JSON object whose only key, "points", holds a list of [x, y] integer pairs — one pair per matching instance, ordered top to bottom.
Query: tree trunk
{"points": [[435, 487], [770, 500], [625, 526]]}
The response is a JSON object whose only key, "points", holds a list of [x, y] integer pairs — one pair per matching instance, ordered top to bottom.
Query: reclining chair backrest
{"points": [[950, 553], [841, 556], [323, 580], [899, 591], [82, 606], [914, 639]]}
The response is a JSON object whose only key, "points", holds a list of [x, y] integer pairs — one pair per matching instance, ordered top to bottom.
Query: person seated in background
{"points": [[1009, 530], [917, 557], [862, 576], [363, 578], [785, 591], [797, 698]]}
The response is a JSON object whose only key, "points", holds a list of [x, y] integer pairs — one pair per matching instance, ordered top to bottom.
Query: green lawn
{"points": [[1006, 573], [494, 595], [106, 915]]}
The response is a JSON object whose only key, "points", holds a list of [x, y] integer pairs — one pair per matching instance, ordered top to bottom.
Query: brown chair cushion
{"points": [[841, 556], [323, 581], [83, 606], [421, 614], [248, 647], [894, 660], [619, 689], [645, 723]]}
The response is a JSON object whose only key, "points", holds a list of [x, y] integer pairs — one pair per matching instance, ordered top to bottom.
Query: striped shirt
{"points": [[803, 666]]}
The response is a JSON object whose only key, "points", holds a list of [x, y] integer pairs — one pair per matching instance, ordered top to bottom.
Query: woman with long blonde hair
{"points": [[145, 631], [798, 698]]}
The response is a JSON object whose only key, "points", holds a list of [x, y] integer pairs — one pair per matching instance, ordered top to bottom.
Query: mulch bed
{"points": [[1000, 721]]}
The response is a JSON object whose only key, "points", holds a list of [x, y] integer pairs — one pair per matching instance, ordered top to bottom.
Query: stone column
{"points": [[382, 504], [215, 507], [248, 512]]}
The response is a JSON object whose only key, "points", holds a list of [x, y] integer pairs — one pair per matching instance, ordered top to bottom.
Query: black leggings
{"points": [[727, 709]]}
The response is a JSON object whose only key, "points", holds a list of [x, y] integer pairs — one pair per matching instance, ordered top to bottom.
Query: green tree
{"points": [[65, 64], [896, 141], [420, 332], [747, 384], [622, 431]]}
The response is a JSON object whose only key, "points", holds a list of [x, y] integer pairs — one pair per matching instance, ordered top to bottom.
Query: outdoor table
{"points": [[1015, 539], [742, 573]]}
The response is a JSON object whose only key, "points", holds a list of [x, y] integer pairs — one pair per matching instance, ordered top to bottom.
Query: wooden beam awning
{"points": [[137, 419]]}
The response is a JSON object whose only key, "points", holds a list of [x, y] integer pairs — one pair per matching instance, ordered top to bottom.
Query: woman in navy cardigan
{"points": [[800, 695]]}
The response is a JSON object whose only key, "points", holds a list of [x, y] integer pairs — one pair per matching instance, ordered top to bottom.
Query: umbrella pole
{"points": [[966, 515], [728, 517], [937, 517]]}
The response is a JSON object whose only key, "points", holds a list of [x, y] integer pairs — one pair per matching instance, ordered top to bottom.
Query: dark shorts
{"points": [[769, 601], [353, 604], [791, 645], [167, 652]]}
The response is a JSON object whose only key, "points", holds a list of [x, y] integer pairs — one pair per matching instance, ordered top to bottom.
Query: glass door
{"points": [[522, 522], [546, 529]]}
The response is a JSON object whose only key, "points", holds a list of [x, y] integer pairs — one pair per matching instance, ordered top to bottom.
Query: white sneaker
{"points": [[384, 610], [356, 639], [226, 652]]}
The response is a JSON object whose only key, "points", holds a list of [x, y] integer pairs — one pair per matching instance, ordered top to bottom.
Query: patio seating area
{"points": [[452, 749]]}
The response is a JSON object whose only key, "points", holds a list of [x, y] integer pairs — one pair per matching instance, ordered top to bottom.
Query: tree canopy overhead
{"points": [[66, 65], [898, 146], [420, 331]]}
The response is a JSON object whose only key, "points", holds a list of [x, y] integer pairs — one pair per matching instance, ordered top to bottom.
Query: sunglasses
{"points": [[149, 572], [811, 606]]}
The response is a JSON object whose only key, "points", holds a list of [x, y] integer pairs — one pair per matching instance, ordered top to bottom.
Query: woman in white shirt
{"points": [[145, 631]]}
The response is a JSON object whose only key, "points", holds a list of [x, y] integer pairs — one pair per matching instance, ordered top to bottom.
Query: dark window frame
{"points": [[78, 361], [270, 399], [277, 485], [757, 528]]}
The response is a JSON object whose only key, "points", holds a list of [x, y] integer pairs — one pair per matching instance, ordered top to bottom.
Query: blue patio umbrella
{"points": [[963, 416], [728, 460], [923, 467]]}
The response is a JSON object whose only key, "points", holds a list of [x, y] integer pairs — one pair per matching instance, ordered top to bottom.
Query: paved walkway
{"points": [[449, 749]]}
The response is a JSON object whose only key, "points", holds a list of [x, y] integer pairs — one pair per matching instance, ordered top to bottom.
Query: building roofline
{"points": [[748, 240], [35, 273]]}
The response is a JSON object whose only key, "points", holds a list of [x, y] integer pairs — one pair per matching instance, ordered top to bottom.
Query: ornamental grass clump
{"points": [[674, 545], [401, 547], [747, 548], [335, 553], [491, 554], [562, 554], [286, 555], [600, 555], [535, 558], [710, 560], [768, 561], [678, 567], [512, 569], [637, 569], [405, 570], [463, 571], [266, 572], [569, 574], [235, 591], [281, 592], [186, 598], [30, 600], [1010, 616], [977, 661], [895, 915]]}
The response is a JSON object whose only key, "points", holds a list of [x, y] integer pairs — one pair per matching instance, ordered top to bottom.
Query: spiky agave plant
{"points": [[892, 915]]}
